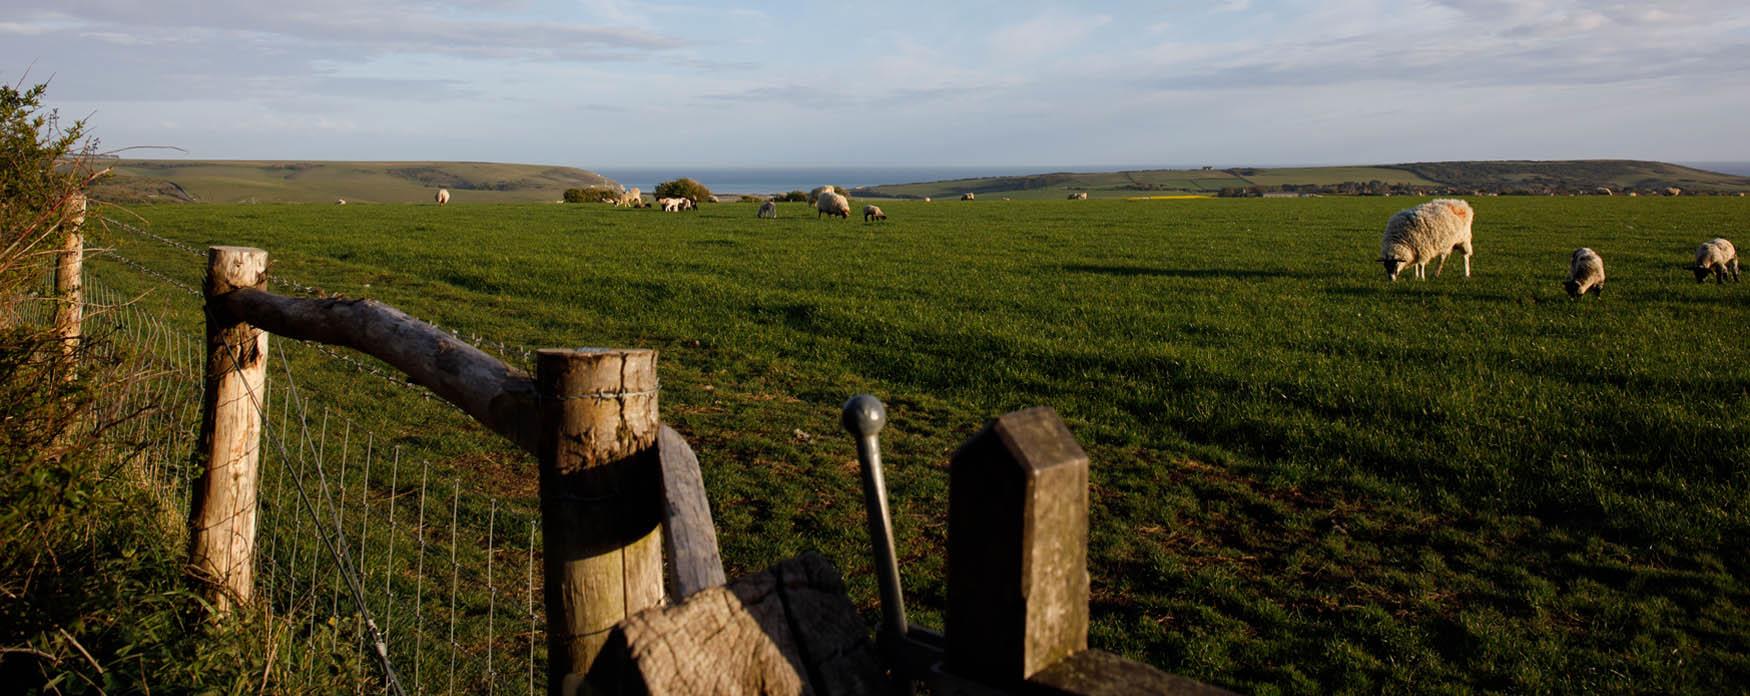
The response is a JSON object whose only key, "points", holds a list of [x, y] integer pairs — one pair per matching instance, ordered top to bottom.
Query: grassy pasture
{"points": [[1305, 479]]}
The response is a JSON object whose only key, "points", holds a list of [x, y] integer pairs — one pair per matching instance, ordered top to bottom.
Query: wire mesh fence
{"points": [[356, 472]]}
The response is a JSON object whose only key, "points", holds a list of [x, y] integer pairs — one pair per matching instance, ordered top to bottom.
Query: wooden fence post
{"points": [[69, 285], [601, 505], [222, 516], [1017, 549]]}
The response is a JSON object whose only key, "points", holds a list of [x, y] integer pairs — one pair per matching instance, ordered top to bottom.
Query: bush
{"points": [[683, 188], [592, 194], [792, 197]]}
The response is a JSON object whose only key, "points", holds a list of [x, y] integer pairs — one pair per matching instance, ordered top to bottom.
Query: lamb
{"points": [[443, 196], [967, 196], [1079, 196], [630, 199], [340, 201], [831, 203], [671, 205], [769, 210], [871, 212], [1414, 236], [1718, 257], [1585, 273]]}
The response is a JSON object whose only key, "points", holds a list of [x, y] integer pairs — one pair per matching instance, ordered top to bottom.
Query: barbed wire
{"points": [[180, 246], [143, 268]]}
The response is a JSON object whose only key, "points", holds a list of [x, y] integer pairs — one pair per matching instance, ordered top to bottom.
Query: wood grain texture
{"points": [[69, 281], [498, 396], [601, 504], [223, 509], [689, 535], [1017, 549], [788, 630]]}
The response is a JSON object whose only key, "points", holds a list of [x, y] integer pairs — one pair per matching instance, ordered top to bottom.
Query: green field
{"points": [[269, 181], [1305, 479]]}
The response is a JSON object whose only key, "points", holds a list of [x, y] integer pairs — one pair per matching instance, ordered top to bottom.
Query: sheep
{"points": [[1673, 191], [443, 196], [814, 196], [967, 196], [1079, 196], [633, 198], [927, 198], [712, 199], [340, 201], [831, 203], [674, 205], [769, 210], [871, 212], [1414, 236], [1718, 257], [1585, 273]]}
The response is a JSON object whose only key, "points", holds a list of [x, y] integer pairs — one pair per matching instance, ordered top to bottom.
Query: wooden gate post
{"points": [[69, 286], [601, 505], [222, 516], [1017, 549]]}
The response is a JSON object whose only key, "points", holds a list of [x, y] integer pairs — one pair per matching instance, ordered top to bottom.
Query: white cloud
{"points": [[1043, 36]]}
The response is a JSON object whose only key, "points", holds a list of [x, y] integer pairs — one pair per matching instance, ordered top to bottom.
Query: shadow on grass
{"points": [[1133, 271]]}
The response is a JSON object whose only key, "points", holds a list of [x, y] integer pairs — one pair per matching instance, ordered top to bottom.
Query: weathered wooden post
{"points": [[69, 285], [601, 505], [222, 516], [1017, 549]]}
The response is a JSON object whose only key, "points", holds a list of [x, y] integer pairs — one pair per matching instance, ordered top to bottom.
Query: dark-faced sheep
{"points": [[967, 196], [1079, 196], [830, 203], [769, 209], [871, 212], [1415, 236], [1716, 257], [1585, 273]]}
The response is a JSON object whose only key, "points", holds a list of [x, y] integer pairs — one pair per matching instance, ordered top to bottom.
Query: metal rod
{"points": [[864, 417]]}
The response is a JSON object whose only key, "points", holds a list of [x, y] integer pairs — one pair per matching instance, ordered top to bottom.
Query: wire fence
{"points": [[389, 525]]}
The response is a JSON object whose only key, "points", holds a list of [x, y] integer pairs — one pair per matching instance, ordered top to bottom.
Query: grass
{"points": [[266, 181], [1305, 479]]}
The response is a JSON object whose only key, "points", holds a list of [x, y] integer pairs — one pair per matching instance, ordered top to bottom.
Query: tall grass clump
{"points": [[94, 596]]}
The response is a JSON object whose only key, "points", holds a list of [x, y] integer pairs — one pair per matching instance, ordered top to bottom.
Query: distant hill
{"points": [[1509, 177], [267, 181]]}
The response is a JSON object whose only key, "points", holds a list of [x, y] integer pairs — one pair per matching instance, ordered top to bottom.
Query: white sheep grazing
{"points": [[443, 196], [814, 196], [967, 196], [1079, 196], [927, 198], [712, 199], [340, 201], [831, 203], [671, 205], [769, 209], [871, 212], [1415, 236], [1718, 257], [1585, 273]]}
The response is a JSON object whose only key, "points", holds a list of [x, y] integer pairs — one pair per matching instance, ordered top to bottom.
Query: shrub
{"points": [[683, 188], [592, 194], [792, 197]]}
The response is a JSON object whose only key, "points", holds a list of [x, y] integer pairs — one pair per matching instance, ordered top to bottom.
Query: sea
{"points": [[765, 180]]}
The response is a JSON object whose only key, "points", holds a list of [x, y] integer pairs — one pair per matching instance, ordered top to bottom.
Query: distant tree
{"points": [[683, 188], [592, 194], [792, 197]]}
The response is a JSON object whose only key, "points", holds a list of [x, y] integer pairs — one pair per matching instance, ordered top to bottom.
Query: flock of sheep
{"points": [[1436, 229], [1413, 237]]}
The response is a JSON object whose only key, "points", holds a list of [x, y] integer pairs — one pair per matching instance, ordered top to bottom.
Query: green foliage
{"points": [[683, 188], [593, 194], [792, 197], [1304, 479], [93, 596]]}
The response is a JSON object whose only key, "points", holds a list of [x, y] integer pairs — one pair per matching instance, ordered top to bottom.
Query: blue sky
{"points": [[612, 83]]}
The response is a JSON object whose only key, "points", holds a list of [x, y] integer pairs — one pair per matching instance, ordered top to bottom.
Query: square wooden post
{"points": [[1017, 549]]}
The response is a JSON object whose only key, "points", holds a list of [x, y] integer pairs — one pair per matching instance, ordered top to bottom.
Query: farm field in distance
{"points": [[1304, 478]]}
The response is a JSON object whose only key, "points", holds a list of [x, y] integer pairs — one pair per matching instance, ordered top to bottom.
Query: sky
{"points": [[1011, 83]]}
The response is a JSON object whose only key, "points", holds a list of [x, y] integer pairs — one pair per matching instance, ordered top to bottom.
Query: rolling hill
{"points": [[1511, 176], [270, 181]]}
